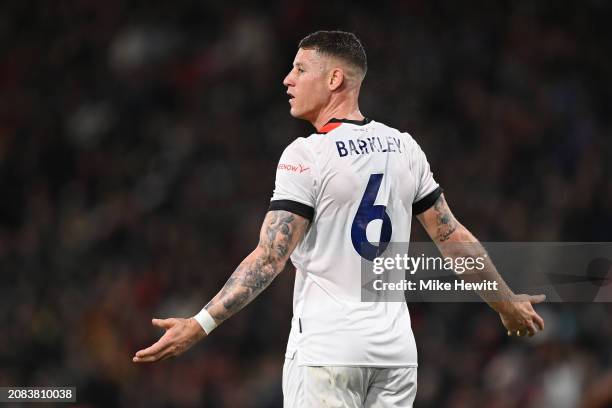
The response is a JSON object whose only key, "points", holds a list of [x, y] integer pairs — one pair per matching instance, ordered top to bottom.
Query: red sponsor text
{"points": [[296, 168]]}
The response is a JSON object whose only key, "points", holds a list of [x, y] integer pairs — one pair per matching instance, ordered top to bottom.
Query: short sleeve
{"points": [[295, 184], [427, 189]]}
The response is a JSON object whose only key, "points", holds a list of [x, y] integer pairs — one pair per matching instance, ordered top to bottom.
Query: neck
{"points": [[339, 110]]}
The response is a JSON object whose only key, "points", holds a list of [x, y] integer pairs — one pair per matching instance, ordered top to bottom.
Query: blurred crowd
{"points": [[138, 145]]}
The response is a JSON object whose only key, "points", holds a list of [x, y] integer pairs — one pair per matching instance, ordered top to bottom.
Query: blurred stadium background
{"points": [[138, 145]]}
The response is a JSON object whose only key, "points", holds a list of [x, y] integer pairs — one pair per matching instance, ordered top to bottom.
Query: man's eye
{"points": [[300, 70]]}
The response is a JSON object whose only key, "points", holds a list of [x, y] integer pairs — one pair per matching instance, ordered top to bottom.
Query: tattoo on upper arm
{"points": [[446, 224], [281, 232]]}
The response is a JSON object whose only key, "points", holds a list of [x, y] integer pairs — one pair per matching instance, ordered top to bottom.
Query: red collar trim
{"points": [[334, 123], [329, 127]]}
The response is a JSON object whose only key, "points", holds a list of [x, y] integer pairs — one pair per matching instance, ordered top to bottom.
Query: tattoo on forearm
{"points": [[445, 221], [280, 234]]}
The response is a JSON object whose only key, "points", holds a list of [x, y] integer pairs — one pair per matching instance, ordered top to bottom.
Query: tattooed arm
{"points": [[280, 233], [455, 241]]}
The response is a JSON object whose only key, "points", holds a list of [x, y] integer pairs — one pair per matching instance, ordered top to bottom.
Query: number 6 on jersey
{"points": [[366, 213]]}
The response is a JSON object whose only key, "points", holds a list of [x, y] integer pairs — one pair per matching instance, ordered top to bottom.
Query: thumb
{"points": [[537, 298], [163, 323]]}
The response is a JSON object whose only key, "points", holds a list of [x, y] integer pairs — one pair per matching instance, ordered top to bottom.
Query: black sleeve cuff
{"points": [[426, 202], [294, 207]]}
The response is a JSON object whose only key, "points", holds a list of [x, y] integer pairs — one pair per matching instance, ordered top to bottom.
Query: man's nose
{"points": [[288, 81]]}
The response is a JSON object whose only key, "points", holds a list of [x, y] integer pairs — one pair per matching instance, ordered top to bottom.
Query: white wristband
{"points": [[205, 320]]}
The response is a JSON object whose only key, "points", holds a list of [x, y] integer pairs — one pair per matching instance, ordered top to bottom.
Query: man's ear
{"points": [[336, 79]]}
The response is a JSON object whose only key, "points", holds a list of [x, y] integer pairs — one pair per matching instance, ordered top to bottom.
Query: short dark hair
{"points": [[340, 44]]}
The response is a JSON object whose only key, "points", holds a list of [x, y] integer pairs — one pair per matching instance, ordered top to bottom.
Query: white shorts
{"points": [[347, 387]]}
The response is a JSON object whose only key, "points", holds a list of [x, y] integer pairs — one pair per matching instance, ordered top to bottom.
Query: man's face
{"points": [[307, 85]]}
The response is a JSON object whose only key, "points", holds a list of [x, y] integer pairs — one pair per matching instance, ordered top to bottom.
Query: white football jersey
{"points": [[359, 182]]}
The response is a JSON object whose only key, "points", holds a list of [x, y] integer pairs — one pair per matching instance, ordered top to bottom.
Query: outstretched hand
{"points": [[519, 317], [180, 335]]}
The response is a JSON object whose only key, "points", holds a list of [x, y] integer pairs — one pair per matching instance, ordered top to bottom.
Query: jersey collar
{"points": [[334, 123]]}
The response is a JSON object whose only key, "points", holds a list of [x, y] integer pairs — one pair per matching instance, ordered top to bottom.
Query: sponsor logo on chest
{"points": [[294, 168]]}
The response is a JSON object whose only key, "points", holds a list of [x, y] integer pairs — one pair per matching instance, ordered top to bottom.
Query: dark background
{"points": [[138, 145]]}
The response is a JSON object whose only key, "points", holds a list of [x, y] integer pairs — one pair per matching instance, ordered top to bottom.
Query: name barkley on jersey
{"points": [[367, 145]]}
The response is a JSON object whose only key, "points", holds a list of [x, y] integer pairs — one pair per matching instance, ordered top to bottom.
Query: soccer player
{"points": [[330, 188]]}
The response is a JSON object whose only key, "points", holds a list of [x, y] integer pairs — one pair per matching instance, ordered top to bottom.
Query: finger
{"points": [[520, 298], [535, 299], [538, 321], [163, 323], [531, 329], [154, 349], [168, 354], [141, 357], [149, 359]]}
